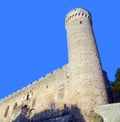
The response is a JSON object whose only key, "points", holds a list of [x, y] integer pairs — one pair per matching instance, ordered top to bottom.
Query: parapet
{"points": [[77, 12]]}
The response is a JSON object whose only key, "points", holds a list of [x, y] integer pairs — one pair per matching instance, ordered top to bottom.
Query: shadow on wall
{"points": [[67, 114]]}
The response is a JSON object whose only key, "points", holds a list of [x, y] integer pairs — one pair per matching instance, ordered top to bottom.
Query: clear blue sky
{"points": [[33, 38]]}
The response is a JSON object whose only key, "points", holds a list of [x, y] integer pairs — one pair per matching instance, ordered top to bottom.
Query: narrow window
{"points": [[79, 14], [82, 14], [80, 22], [27, 97], [33, 102], [15, 106], [52, 106], [65, 106], [6, 111]]}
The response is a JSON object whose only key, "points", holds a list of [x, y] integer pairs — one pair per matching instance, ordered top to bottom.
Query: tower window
{"points": [[82, 14], [80, 22], [6, 111]]}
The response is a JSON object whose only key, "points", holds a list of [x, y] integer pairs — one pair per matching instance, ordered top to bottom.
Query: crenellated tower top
{"points": [[77, 12]]}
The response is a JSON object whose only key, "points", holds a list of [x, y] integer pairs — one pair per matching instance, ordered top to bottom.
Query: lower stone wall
{"points": [[109, 112], [68, 114]]}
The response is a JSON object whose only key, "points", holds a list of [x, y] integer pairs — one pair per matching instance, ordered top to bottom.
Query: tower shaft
{"points": [[84, 63]]}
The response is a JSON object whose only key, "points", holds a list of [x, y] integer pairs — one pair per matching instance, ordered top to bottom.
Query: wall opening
{"points": [[82, 14], [27, 97], [53, 106], [65, 106], [6, 111]]}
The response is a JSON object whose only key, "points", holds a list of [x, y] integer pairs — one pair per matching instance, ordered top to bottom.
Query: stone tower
{"points": [[84, 62]]}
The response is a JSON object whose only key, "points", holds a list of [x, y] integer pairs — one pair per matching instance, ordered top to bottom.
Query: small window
{"points": [[79, 14], [82, 14], [80, 22], [27, 97], [15, 106], [52, 106], [65, 106], [6, 111]]}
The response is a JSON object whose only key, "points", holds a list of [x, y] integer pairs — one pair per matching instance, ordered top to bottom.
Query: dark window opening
{"points": [[82, 14], [80, 22], [27, 97], [53, 106], [65, 106], [24, 109], [6, 111]]}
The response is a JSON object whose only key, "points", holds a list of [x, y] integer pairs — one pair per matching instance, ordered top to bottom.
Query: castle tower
{"points": [[87, 81]]}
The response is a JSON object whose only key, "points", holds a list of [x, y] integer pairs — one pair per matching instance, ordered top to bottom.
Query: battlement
{"points": [[77, 12], [29, 86]]}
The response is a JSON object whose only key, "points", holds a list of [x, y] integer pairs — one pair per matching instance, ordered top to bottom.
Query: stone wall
{"points": [[38, 96], [110, 112]]}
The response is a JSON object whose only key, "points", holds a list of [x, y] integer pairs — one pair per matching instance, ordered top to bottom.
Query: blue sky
{"points": [[33, 38]]}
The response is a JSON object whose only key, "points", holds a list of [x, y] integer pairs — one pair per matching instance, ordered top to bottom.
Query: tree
{"points": [[116, 84]]}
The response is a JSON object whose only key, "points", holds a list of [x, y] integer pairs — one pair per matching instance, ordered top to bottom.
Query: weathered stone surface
{"points": [[110, 112]]}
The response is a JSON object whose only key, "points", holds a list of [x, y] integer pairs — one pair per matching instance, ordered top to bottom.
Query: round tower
{"points": [[87, 81]]}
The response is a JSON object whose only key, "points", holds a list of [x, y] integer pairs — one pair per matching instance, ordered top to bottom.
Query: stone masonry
{"points": [[79, 83]]}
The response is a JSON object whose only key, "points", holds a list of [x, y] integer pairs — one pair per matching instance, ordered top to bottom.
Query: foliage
{"points": [[116, 84], [94, 117]]}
